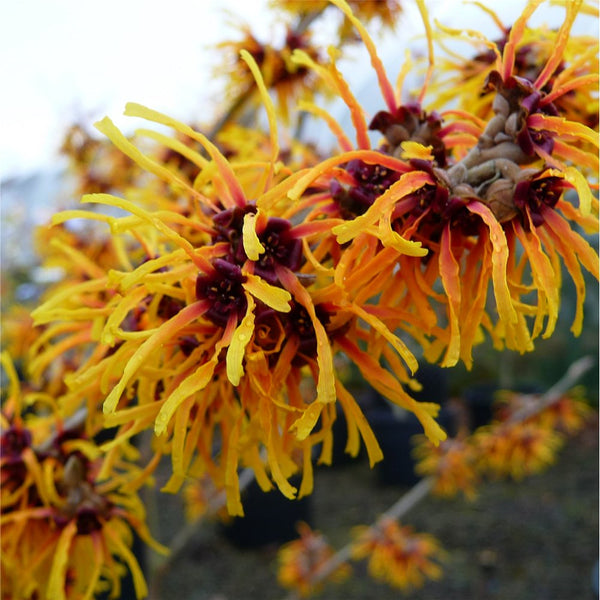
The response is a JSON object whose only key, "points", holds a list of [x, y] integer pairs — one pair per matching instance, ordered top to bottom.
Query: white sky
{"points": [[68, 59], [63, 60]]}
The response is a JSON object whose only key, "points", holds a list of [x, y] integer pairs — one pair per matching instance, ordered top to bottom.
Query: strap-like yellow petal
{"points": [[275, 297], [237, 348]]}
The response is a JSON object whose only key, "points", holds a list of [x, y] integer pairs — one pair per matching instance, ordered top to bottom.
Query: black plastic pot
{"points": [[434, 382], [480, 400], [394, 435], [269, 518]]}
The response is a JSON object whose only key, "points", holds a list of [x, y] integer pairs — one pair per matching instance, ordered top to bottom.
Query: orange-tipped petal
{"points": [[386, 88], [235, 189], [450, 276], [504, 303], [196, 382]]}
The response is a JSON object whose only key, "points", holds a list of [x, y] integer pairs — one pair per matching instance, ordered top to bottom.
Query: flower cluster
{"points": [[466, 201], [212, 280], [206, 329], [452, 464], [65, 513]]}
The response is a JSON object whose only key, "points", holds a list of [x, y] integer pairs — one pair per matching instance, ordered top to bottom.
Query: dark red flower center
{"points": [[370, 181], [532, 195], [281, 247], [223, 289], [13, 441], [88, 521]]}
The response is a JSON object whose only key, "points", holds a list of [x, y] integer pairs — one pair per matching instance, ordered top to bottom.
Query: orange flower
{"points": [[382, 12], [571, 79], [95, 164], [467, 204], [227, 303], [212, 330], [568, 414], [516, 449], [452, 464], [203, 497], [398, 556], [303, 559]]}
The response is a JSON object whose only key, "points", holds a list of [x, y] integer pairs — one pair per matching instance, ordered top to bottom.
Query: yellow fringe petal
{"points": [[252, 245], [275, 297], [241, 338], [58, 573]]}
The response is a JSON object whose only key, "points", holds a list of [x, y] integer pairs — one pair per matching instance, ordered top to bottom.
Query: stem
{"points": [[575, 371]]}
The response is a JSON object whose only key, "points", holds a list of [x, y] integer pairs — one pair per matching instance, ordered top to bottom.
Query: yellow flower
{"points": [[383, 12], [570, 79], [96, 165], [225, 304], [212, 330], [18, 332], [568, 414], [203, 497], [398, 556], [303, 559]]}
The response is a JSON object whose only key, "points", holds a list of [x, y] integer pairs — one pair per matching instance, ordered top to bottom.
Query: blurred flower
{"points": [[384, 13], [289, 81], [95, 164], [18, 332], [567, 414], [516, 449], [452, 464], [202, 497], [397, 555], [300, 561]]}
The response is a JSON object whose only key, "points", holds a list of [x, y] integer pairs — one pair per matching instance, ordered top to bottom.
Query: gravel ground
{"points": [[534, 540]]}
